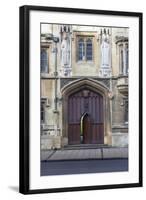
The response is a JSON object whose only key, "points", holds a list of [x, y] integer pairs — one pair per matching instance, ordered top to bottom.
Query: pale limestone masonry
{"points": [[106, 71]]}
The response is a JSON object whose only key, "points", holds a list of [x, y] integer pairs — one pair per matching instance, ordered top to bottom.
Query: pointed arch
{"points": [[82, 83], [96, 88]]}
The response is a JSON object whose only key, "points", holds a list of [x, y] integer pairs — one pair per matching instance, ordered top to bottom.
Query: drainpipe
{"points": [[56, 40], [111, 88], [111, 97]]}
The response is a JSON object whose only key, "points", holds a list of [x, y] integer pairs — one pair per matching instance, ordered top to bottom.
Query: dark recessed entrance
{"points": [[85, 118], [86, 129]]}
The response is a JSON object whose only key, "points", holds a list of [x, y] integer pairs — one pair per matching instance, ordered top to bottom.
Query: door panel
{"points": [[79, 103], [87, 129], [74, 136]]}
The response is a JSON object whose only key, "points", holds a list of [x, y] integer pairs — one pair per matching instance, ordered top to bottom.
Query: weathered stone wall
{"points": [[119, 127], [51, 134]]}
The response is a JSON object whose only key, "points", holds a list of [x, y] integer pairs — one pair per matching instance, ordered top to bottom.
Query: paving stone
{"points": [[115, 153], [45, 154], [85, 154]]}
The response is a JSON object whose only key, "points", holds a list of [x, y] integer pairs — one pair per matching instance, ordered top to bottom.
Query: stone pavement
{"points": [[79, 154]]}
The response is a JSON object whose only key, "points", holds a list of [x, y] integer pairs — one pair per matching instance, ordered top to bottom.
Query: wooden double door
{"points": [[85, 118]]}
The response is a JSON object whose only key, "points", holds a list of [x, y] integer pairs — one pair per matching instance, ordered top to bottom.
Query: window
{"points": [[81, 49], [85, 49], [89, 49], [127, 57], [123, 58], [44, 60], [126, 110], [42, 111]]}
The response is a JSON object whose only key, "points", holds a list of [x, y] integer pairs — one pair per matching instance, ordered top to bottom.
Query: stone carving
{"points": [[105, 48], [65, 51], [105, 68], [65, 81], [106, 82]]}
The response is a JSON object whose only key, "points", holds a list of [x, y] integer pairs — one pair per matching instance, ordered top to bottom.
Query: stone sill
{"points": [[120, 127]]}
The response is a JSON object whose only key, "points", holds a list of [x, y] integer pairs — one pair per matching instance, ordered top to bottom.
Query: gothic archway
{"points": [[90, 97]]}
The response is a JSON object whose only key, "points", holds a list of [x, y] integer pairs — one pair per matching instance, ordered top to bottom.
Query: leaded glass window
{"points": [[85, 48], [81, 49], [89, 49], [123, 58], [127, 58], [44, 60], [43, 103], [126, 110]]}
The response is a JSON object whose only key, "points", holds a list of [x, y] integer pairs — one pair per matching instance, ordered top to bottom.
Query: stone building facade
{"points": [[84, 85]]}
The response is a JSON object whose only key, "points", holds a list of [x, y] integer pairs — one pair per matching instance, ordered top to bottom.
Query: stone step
{"points": [[85, 146]]}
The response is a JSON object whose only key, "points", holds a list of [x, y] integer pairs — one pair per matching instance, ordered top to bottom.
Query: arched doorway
{"points": [[78, 98], [85, 117], [86, 129]]}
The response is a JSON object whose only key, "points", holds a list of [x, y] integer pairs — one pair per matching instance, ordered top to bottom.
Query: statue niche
{"points": [[65, 51], [105, 68]]}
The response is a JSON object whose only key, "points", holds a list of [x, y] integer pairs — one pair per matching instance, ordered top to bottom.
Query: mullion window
{"points": [[81, 49], [85, 49], [89, 49], [127, 58], [44, 60], [121, 60], [126, 110], [42, 111]]}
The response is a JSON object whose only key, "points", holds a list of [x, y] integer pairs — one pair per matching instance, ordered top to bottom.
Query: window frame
{"points": [[85, 38], [91, 43], [123, 46], [46, 48], [127, 57], [44, 103], [126, 109]]}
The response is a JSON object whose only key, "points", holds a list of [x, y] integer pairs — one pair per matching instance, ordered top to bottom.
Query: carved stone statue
{"points": [[65, 51], [105, 53], [105, 68]]}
